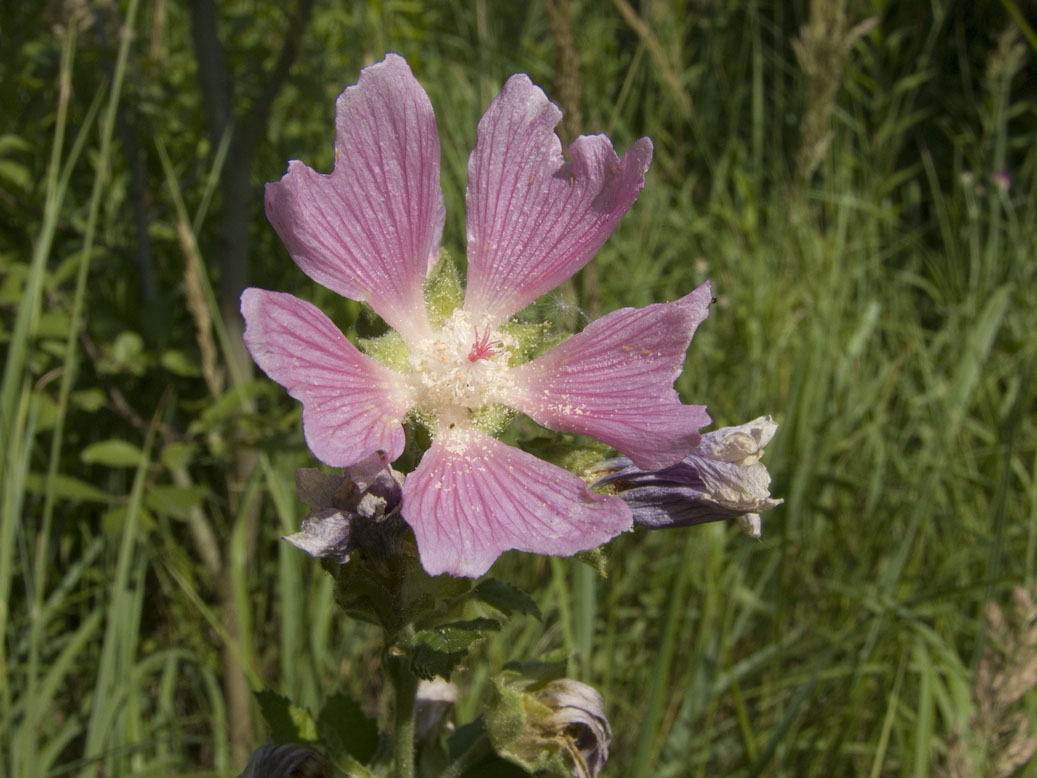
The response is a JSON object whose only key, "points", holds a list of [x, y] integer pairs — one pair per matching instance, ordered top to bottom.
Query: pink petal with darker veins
{"points": [[533, 218], [370, 230], [614, 382], [352, 406], [472, 498]]}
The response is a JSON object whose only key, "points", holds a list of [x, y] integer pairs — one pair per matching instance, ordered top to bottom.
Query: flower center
{"points": [[463, 366]]}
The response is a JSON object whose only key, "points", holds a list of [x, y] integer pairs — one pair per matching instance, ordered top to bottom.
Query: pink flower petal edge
{"points": [[533, 218], [370, 230], [614, 382], [352, 406], [472, 498]]}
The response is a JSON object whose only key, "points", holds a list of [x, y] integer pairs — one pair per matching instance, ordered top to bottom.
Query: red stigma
{"points": [[483, 348]]}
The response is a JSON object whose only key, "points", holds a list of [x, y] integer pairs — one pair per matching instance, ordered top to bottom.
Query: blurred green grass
{"points": [[842, 187]]}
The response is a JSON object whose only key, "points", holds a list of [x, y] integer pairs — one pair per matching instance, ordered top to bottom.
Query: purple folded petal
{"points": [[533, 218], [370, 230], [614, 382], [352, 405], [722, 478], [472, 498]]}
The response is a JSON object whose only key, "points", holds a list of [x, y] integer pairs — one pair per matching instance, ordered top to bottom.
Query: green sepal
{"points": [[443, 292], [530, 339], [388, 348], [596, 559], [513, 723]]}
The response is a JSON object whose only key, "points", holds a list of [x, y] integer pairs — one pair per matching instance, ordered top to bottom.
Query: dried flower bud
{"points": [[722, 478], [358, 510], [559, 727]]}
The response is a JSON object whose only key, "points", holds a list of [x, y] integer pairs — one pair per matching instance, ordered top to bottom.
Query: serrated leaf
{"points": [[112, 453], [506, 598], [456, 636], [439, 650], [428, 663], [288, 723], [346, 729]]}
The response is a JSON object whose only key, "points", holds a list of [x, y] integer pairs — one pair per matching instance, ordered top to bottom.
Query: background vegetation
{"points": [[856, 177]]}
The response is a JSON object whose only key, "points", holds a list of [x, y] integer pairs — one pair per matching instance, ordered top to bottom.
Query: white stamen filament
{"points": [[463, 366]]}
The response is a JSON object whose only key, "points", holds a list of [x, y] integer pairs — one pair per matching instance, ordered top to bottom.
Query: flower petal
{"points": [[534, 219], [370, 230], [614, 382], [352, 405], [471, 498]]}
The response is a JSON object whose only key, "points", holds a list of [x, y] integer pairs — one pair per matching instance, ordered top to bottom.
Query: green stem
{"points": [[405, 686], [480, 749]]}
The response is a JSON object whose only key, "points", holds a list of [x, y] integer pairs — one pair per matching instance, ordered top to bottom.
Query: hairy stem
{"points": [[405, 687]]}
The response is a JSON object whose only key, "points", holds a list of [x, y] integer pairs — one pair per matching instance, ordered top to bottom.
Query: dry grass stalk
{"points": [[821, 49], [996, 741]]}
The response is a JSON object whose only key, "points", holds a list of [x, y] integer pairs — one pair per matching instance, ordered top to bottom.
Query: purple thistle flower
{"points": [[370, 230], [722, 478]]}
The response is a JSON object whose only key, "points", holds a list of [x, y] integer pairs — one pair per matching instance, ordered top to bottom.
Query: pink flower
{"points": [[371, 229]]}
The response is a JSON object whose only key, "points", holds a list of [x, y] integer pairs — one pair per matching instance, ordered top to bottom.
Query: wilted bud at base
{"points": [[358, 510], [559, 728]]}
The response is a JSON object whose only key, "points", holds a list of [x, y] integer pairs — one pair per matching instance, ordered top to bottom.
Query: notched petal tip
{"points": [[533, 218], [369, 228]]}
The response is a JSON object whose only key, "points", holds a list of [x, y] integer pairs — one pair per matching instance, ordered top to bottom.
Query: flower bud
{"points": [[559, 727]]}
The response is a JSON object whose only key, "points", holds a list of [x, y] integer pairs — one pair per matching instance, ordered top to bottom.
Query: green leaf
{"points": [[178, 362], [89, 400], [112, 453], [178, 455], [65, 487], [175, 500], [114, 521], [506, 598], [441, 649], [427, 663], [288, 723], [346, 729]]}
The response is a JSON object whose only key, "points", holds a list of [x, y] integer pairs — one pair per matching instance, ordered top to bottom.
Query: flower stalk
{"points": [[405, 688]]}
